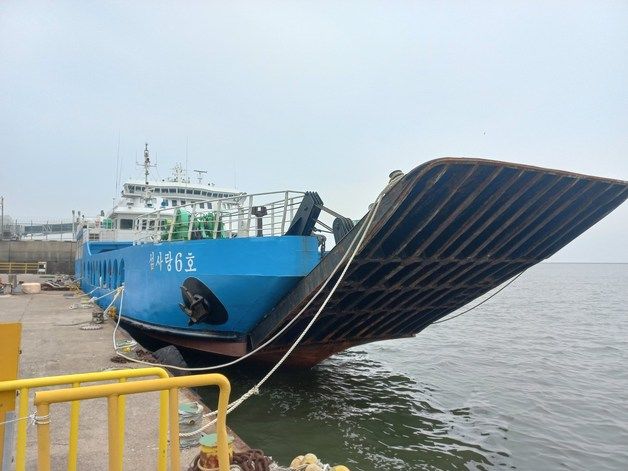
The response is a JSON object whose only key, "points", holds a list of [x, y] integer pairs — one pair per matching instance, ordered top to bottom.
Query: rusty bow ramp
{"points": [[446, 233]]}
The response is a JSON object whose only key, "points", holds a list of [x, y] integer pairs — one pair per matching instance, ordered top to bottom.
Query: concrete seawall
{"points": [[59, 254]]}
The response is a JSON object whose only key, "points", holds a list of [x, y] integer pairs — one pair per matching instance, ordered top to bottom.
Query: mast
{"points": [[146, 163]]}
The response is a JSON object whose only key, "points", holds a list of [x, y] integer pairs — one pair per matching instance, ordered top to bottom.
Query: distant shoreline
{"points": [[585, 263]]}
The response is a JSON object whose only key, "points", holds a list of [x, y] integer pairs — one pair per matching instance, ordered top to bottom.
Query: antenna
{"points": [[186, 155], [147, 165], [200, 175], [116, 176]]}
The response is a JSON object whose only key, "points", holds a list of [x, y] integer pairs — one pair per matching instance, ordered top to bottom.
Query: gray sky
{"points": [[327, 96]]}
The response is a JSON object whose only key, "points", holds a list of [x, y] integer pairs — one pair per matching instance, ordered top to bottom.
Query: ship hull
{"points": [[446, 233], [247, 276]]}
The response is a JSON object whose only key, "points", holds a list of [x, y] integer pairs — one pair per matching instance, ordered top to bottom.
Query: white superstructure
{"points": [[139, 197]]}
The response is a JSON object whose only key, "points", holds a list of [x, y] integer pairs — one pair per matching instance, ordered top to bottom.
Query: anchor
{"points": [[200, 304]]}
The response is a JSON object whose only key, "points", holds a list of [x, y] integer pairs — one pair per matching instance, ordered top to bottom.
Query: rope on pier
{"points": [[86, 304]]}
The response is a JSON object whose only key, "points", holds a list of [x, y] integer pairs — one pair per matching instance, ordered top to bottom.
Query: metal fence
{"points": [[57, 229]]}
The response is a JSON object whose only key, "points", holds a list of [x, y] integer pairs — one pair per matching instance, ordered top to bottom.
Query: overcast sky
{"points": [[326, 96]]}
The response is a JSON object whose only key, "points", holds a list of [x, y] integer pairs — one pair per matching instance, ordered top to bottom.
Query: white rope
{"points": [[360, 236], [119, 291], [104, 295], [481, 302], [85, 304], [115, 329], [282, 330], [261, 346], [255, 389], [32, 417], [41, 419]]}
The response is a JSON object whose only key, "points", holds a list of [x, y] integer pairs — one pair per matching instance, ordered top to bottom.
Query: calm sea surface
{"points": [[537, 378]]}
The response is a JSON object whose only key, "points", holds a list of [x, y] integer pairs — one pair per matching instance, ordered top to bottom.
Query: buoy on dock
{"points": [[310, 462]]}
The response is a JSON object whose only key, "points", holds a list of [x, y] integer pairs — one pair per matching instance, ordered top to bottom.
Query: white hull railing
{"points": [[232, 217]]}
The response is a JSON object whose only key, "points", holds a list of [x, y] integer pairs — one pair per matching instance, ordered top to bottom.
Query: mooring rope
{"points": [[362, 231], [360, 236], [481, 302], [86, 303], [255, 389], [27, 417]]}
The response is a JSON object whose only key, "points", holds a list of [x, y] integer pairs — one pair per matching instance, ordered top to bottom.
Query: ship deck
{"points": [[446, 233]]}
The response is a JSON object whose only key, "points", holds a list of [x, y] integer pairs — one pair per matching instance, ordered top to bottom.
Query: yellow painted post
{"points": [[9, 355], [173, 395], [121, 423], [221, 424], [74, 429], [43, 437], [114, 443], [162, 452], [20, 455]]}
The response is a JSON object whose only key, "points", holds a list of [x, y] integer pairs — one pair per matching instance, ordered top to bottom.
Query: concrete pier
{"points": [[52, 347]]}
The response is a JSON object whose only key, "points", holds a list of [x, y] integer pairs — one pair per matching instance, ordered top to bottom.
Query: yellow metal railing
{"points": [[18, 267], [10, 335], [76, 380], [112, 392]]}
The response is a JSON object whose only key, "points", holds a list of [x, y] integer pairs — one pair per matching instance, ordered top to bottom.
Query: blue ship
{"points": [[224, 272]]}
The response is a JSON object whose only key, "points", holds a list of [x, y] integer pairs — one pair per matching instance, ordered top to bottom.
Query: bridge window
{"points": [[174, 202], [202, 205], [126, 223]]}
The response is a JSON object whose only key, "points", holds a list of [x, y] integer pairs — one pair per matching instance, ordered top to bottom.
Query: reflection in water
{"points": [[352, 410]]}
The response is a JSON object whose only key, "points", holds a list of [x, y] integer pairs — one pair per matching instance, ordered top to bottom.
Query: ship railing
{"points": [[243, 215]]}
